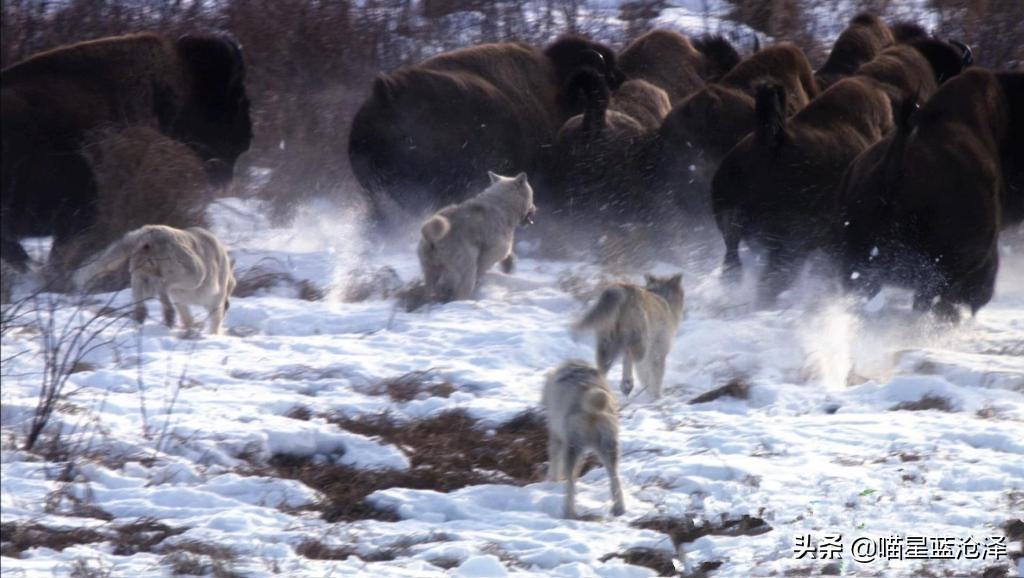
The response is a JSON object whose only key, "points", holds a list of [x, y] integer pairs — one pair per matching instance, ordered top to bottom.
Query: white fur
{"points": [[181, 267]]}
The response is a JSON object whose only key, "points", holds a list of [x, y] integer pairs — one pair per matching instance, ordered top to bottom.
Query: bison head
{"points": [[214, 120]]}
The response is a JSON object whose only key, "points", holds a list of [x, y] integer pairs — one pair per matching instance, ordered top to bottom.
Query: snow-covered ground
{"points": [[175, 427]]}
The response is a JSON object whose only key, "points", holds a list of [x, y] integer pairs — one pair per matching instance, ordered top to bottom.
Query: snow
{"points": [[170, 425]]}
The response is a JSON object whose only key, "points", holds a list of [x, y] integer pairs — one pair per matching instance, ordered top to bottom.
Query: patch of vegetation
{"points": [[925, 403], [447, 452]]}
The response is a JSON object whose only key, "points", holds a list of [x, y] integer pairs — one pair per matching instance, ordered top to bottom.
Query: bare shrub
{"points": [[270, 274], [365, 284], [64, 347]]}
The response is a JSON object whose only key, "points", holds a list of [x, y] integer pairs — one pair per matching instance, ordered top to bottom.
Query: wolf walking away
{"points": [[461, 242], [180, 266], [637, 323], [582, 415]]}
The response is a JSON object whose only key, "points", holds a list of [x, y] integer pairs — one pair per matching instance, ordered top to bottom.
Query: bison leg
{"points": [[13, 253], [780, 272]]}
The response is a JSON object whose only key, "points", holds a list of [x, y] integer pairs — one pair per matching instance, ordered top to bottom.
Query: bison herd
{"points": [[897, 158]]}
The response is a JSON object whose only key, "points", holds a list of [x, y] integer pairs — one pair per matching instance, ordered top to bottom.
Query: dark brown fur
{"points": [[859, 43], [666, 59], [190, 90], [703, 128], [428, 133], [602, 157], [142, 177], [777, 188], [922, 209]]}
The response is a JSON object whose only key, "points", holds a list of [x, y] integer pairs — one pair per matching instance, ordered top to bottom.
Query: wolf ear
{"points": [[495, 177], [521, 178], [650, 279], [676, 279]]}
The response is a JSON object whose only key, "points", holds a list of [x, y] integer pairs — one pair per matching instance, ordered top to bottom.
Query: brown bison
{"points": [[864, 37], [670, 61], [191, 90], [427, 132], [699, 132], [601, 159], [776, 190], [922, 209]]}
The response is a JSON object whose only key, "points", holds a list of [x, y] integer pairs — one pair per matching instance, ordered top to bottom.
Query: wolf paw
{"points": [[508, 264], [626, 386]]}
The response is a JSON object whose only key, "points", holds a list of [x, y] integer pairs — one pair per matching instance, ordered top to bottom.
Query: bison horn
{"points": [[757, 43], [968, 55]]}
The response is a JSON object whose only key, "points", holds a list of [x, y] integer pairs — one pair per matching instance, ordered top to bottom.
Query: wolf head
{"points": [[519, 191], [668, 288]]}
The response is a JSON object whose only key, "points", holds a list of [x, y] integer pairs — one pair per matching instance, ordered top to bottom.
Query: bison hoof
{"points": [[139, 315], [618, 510]]}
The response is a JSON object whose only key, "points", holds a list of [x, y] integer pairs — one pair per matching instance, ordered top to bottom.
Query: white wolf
{"points": [[461, 242], [180, 266], [638, 323], [582, 414]]}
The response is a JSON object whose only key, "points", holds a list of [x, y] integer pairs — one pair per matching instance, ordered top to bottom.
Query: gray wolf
{"points": [[461, 242], [181, 267], [639, 324], [582, 414]]}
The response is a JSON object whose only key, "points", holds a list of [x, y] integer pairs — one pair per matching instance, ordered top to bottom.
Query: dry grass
{"points": [[269, 274], [365, 284], [412, 385], [925, 403], [446, 452], [683, 530], [143, 535], [316, 550], [658, 560]]}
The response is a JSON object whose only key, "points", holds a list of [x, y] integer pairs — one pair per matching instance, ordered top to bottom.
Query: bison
{"points": [[864, 37], [670, 61], [191, 90], [427, 132], [699, 132], [601, 159], [776, 189], [922, 209]]}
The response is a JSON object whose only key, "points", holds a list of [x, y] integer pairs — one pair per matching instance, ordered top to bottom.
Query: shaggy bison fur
{"points": [[864, 37], [668, 60], [191, 90], [706, 125], [427, 132], [602, 158], [776, 189], [922, 209]]}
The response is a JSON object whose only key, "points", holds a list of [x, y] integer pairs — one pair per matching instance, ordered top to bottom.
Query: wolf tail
{"points": [[589, 86], [436, 228], [113, 258], [605, 311], [596, 401]]}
